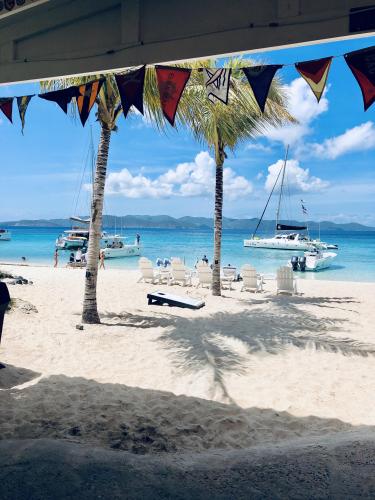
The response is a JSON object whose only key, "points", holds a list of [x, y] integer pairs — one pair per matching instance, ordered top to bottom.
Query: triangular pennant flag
{"points": [[362, 65], [315, 73], [260, 79], [171, 83], [217, 84], [130, 87], [61, 97], [87, 97], [22, 103], [6, 106]]}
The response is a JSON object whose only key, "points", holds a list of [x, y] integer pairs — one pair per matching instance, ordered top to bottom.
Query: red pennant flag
{"points": [[362, 65], [315, 73], [171, 83], [86, 100], [6, 106]]}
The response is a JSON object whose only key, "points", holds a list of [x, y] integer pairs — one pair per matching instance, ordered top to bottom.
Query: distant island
{"points": [[168, 222]]}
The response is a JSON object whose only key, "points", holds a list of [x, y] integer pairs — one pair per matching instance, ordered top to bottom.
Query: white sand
{"points": [[244, 370]]}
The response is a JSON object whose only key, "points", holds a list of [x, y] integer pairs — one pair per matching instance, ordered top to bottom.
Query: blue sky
{"points": [[153, 173]]}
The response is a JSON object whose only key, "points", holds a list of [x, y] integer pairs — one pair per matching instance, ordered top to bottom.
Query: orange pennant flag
{"points": [[315, 73]]}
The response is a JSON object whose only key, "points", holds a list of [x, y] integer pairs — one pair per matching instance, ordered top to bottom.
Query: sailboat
{"points": [[287, 237], [112, 245]]}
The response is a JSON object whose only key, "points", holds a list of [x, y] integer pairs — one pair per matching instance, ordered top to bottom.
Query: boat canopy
{"points": [[285, 227]]}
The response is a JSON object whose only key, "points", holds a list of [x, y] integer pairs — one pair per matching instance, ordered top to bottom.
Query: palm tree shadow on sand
{"points": [[212, 342]]}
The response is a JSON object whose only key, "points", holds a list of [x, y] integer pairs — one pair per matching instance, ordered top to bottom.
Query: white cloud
{"points": [[302, 104], [358, 138], [257, 146], [259, 176], [190, 179], [297, 179]]}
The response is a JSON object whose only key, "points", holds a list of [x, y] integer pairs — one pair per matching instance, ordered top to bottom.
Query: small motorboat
{"points": [[5, 235], [114, 246], [313, 260]]}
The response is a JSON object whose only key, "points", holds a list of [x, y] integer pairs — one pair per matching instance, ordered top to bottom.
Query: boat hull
{"points": [[5, 235], [277, 245], [125, 251], [314, 263]]}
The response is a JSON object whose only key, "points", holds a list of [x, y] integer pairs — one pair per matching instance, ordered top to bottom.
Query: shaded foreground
{"points": [[343, 467]]}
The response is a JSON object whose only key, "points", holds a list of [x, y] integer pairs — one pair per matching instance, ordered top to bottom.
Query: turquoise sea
{"points": [[355, 260]]}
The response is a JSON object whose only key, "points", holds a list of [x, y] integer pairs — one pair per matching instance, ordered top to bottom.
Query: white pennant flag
{"points": [[217, 84]]}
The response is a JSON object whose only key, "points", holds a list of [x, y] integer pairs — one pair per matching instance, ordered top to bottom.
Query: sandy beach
{"points": [[247, 370]]}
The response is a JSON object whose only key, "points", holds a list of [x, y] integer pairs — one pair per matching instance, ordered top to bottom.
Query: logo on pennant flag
{"points": [[362, 65], [315, 73], [260, 79], [171, 83], [217, 84], [130, 87], [61, 97], [86, 98], [22, 103], [6, 106]]}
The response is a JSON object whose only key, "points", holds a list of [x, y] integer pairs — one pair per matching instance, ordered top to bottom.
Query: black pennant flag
{"points": [[260, 79], [130, 87], [61, 97], [86, 98], [22, 103]]}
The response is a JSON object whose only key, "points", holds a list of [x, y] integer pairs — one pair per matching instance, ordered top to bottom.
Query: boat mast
{"points": [[281, 187]]}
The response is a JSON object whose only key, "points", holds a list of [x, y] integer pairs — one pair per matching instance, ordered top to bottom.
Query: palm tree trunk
{"points": [[218, 217], [90, 308]]}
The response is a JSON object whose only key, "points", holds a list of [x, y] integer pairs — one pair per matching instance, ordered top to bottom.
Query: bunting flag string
{"points": [[362, 65], [315, 73], [260, 79], [171, 83], [217, 84], [130, 87], [88, 93], [61, 97], [22, 103], [6, 106]]}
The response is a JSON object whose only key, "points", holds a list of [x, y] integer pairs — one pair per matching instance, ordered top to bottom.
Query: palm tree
{"points": [[108, 111], [224, 127]]}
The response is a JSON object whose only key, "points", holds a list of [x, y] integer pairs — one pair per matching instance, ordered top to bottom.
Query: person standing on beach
{"points": [[56, 258], [101, 259]]}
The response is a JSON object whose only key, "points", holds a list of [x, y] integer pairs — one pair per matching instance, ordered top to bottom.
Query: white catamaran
{"points": [[287, 237]]}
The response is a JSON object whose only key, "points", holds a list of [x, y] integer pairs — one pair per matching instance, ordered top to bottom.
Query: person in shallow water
{"points": [[137, 239], [71, 257], [56, 258]]}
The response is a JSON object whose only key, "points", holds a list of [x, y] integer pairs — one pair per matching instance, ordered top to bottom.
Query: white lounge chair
{"points": [[148, 275], [179, 275], [204, 275], [228, 276], [251, 281], [286, 282]]}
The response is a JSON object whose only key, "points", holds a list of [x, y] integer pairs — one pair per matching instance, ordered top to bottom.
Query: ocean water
{"points": [[355, 260]]}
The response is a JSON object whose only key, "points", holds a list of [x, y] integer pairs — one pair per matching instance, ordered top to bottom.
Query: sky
{"points": [[330, 167]]}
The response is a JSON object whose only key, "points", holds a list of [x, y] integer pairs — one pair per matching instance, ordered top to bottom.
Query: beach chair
{"points": [[148, 274], [229, 274], [179, 275], [204, 275], [251, 281], [285, 281]]}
